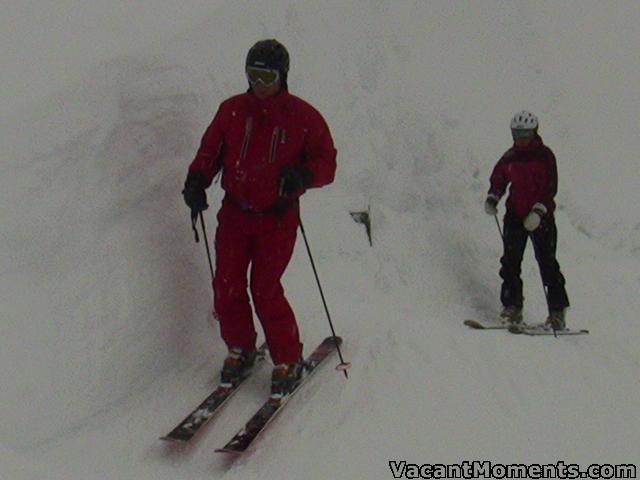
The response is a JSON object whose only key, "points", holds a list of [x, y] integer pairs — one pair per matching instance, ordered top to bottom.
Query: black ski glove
{"points": [[293, 179], [194, 195]]}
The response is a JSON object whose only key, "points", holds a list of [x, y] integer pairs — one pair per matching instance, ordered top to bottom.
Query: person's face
{"points": [[264, 82], [263, 91], [522, 138], [522, 142]]}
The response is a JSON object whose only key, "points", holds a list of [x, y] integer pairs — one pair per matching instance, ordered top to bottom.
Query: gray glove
{"points": [[491, 204], [532, 221]]}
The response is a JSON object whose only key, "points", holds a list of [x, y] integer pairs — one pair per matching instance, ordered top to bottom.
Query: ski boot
{"points": [[512, 315], [556, 320], [236, 366], [285, 378]]}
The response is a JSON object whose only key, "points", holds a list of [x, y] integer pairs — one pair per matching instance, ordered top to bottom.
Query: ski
{"points": [[476, 325], [523, 328], [541, 329], [268, 411], [199, 417]]}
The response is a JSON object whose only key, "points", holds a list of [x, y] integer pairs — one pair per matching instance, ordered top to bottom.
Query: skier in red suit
{"points": [[270, 147], [529, 167]]}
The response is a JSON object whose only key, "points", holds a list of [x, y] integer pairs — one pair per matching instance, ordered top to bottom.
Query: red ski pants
{"points": [[266, 243]]}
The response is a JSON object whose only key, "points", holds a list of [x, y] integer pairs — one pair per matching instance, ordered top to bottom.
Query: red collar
{"points": [[276, 99]]}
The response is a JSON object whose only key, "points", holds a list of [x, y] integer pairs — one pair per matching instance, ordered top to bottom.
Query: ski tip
{"points": [[474, 324], [574, 332], [557, 333], [174, 440], [228, 451]]}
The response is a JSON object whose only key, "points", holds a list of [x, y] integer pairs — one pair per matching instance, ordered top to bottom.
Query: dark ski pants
{"points": [[544, 240]]}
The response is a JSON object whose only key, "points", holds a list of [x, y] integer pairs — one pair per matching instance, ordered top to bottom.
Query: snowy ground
{"points": [[107, 338]]}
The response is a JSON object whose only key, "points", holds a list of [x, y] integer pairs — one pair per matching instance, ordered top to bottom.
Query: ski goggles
{"points": [[264, 75], [522, 134]]}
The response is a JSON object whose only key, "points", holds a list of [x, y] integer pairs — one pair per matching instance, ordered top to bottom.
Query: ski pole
{"points": [[194, 221], [498, 224], [206, 244], [343, 365]]}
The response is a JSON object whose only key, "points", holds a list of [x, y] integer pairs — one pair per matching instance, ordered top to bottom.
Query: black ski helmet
{"points": [[270, 54]]}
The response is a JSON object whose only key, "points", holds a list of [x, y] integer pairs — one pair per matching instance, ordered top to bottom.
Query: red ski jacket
{"points": [[250, 140], [533, 175]]}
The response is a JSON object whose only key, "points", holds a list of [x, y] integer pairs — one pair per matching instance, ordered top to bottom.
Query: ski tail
{"points": [[270, 408], [208, 409]]}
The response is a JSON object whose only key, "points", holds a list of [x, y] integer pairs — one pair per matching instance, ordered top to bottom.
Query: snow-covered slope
{"points": [[106, 333]]}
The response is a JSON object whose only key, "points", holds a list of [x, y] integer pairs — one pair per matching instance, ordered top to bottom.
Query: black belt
{"points": [[277, 208]]}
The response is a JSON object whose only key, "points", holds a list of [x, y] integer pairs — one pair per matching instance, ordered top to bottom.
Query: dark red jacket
{"points": [[250, 140], [532, 173]]}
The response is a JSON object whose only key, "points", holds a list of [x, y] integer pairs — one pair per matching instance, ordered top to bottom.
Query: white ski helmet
{"points": [[524, 121]]}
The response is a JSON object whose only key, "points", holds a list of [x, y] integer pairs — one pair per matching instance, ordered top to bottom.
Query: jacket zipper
{"points": [[247, 136], [274, 144], [216, 158]]}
